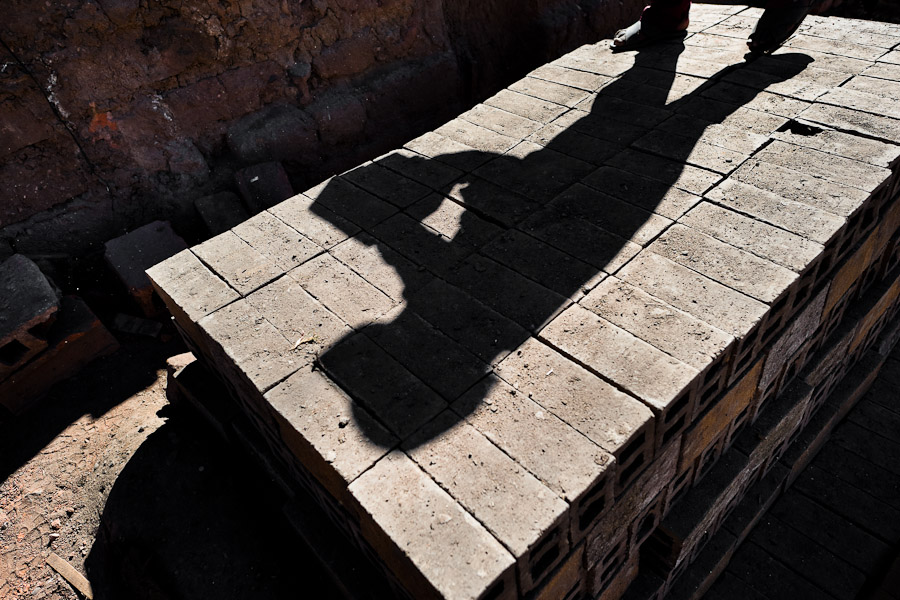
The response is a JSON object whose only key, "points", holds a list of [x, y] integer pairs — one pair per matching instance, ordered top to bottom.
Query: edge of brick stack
{"points": [[442, 344]]}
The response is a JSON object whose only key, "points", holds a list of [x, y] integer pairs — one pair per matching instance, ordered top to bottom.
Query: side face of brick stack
{"points": [[503, 355]]}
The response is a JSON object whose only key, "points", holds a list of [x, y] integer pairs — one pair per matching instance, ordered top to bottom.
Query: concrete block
{"points": [[575, 78], [550, 91], [848, 119], [501, 121], [474, 136], [839, 143], [691, 151], [456, 154], [833, 168], [533, 171], [433, 174], [694, 180], [263, 185], [649, 194], [349, 202], [220, 212], [422, 245], [130, 255], [28, 305], [802, 327], [75, 339], [664, 383], [613, 420], [773, 429], [567, 462], [527, 517], [454, 557], [612, 585]]}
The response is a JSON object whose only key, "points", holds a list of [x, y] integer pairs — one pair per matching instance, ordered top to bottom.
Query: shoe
{"points": [[778, 22]]}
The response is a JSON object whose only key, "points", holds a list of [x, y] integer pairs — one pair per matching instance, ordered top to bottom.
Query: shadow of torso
{"points": [[503, 242]]}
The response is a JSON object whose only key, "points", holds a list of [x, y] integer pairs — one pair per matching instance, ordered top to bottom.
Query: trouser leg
{"points": [[662, 16]]}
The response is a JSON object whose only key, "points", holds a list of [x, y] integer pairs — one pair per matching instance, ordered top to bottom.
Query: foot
{"points": [[776, 25], [634, 36]]}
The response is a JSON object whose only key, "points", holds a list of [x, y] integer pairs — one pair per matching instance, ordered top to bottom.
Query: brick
{"points": [[597, 58], [822, 60], [883, 71], [575, 78], [807, 85], [654, 87], [550, 91], [762, 101], [525, 106], [624, 111], [730, 115], [848, 119], [501, 121], [620, 133], [476, 136], [732, 138], [574, 143], [845, 145], [690, 150], [456, 154], [824, 166], [534, 171], [671, 172], [386, 184], [263, 185], [794, 185], [651, 195], [349, 202], [497, 203], [220, 212], [608, 213], [804, 220], [314, 221], [453, 221], [772, 243], [281, 244], [421, 244], [603, 250], [131, 254], [237, 262], [724, 263], [381, 266], [555, 270], [848, 274], [189, 289], [342, 290], [695, 294], [28, 304], [528, 304], [874, 316], [299, 317], [801, 328], [484, 332], [675, 332], [75, 338], [242, 339], [612, 352], [445, 366], [381, 385], [613, 420], [716, 421], [775, 425], [336, 439], [567, 462], [756, 502], [857, 505], [522, 513], [604, 543], [807, 558], [437, 561], [705, 570], [769, 576], [566, 581], [606, 585]]}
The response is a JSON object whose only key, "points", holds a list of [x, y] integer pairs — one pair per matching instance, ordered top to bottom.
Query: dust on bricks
{"points": [[512, 347]]}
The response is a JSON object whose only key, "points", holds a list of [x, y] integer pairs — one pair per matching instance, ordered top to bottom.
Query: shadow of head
{"points": [[488, 247]]}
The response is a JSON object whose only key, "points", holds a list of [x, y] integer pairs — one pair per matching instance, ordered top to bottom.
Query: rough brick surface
{"points": [[27, 301]]}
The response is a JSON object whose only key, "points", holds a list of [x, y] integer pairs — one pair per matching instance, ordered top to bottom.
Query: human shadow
{"points": [[514, 236]]}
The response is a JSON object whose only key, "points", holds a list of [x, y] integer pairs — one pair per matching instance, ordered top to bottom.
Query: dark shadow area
{"points": [[541, 222], [100, 386], [189, 517]]}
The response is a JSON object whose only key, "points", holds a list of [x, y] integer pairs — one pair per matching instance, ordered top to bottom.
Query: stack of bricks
{"points": [[44, 338], [544, 350]]}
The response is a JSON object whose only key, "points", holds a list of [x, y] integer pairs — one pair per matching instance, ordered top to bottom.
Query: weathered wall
{"points": [[116, 112]]}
